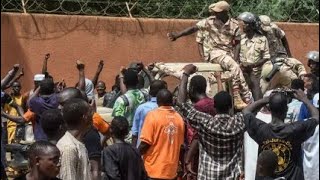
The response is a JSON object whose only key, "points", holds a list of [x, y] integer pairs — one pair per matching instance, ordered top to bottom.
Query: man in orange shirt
{"points": [[161, 138]]}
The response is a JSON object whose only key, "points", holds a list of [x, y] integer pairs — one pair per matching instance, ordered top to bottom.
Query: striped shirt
{"points": [[221, 142]]}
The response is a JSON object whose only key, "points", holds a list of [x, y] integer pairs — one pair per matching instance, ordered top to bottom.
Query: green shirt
{"points": [[135, 98]]}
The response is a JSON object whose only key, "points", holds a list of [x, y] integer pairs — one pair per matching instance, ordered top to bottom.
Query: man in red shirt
{"points": [[202, 103]]}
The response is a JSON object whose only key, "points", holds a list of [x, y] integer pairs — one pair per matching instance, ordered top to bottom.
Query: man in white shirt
{"points": [[295, 105], [251, 147], [311, 151], [75, 163]]}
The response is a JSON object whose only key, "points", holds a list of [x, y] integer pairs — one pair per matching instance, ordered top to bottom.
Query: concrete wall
{"points": [[26, 38]]}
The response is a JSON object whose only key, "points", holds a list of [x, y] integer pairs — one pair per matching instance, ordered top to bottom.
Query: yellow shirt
{"points": [[12, 111]]}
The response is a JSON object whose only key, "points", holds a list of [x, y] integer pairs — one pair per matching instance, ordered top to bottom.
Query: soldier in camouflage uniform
{"points": [[220, 37], [276, 37], [254, 52], [289, 69]]}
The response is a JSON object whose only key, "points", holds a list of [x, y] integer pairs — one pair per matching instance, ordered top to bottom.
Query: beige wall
{"points": [[26, 38]]}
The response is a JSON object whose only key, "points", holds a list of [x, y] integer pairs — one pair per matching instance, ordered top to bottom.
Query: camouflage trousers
{"points": [[230, 69], [282, 78], [238, 81]]}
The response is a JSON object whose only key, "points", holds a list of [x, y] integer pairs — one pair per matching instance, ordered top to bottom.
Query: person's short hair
{"points": [[48, 76], [311, 76], [130, 78], [16, 82], [101, 82], [198, 84], [297, 84], [156, 86], [46, 87], [314, 89], [69, 93], [164, 97], [222, 101], [278, 103], [74, 110], [51, 121], [119, 127], [40, 148], [268, 161]]}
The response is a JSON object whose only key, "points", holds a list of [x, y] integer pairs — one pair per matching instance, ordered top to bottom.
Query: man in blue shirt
{"points": [[47, 99], [295, 105], [144, 108], [304, 113]]}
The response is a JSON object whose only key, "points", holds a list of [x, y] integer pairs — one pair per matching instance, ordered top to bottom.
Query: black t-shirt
{"points": [[285, 140], [93, 144], [122, 161], [23, 177], [264, 178]]}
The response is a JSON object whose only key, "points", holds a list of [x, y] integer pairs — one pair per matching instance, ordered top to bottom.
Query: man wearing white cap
{"points": [[219, 42], [36, 79]]}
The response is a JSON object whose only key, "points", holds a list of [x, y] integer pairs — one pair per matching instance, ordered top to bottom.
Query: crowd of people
{"points": [[267, 129]]}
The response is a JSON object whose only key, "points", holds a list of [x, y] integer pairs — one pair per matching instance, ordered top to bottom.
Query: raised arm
{"points": [[176, 35], [45, 63], [145, 69], [97, 74], [15, 79], [5, 81], [82, 82], [123, 87], [182, 94], [300, 95], [255, 106]]}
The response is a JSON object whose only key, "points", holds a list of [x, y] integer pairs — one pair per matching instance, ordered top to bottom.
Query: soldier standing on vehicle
{"points": [[219, 38]]}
